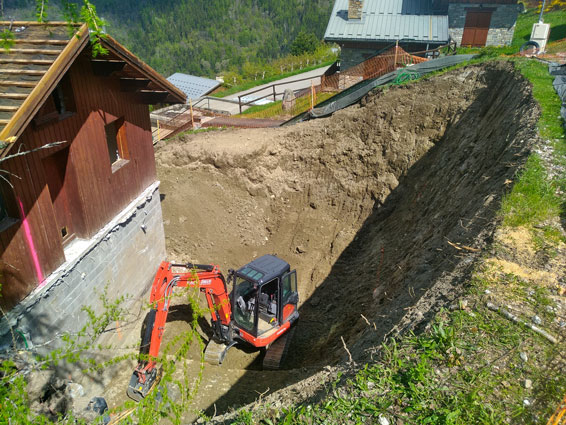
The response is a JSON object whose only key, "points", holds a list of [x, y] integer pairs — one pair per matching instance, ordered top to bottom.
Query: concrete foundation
{"points": [[122, 257]]}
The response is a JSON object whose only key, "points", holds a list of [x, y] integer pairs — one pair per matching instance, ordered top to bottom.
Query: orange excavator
{"points": [[260, 311]]}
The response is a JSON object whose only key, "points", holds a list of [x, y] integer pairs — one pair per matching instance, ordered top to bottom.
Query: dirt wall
{"points": [[381, 208]]}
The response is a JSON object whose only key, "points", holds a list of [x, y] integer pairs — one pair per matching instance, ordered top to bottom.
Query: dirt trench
{"points": [[381, 208]]}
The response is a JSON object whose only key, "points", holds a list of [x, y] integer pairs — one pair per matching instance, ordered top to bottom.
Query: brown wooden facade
{"points": [[74, 189]]}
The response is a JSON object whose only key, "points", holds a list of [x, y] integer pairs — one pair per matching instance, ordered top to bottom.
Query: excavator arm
{"points": [[211, 282]]}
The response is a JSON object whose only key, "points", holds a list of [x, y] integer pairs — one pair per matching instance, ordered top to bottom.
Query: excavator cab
{"points": [[265, 297]]}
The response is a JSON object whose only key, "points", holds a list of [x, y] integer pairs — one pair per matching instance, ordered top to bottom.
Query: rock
{"points": [[288, 100], [300, 249], [487, 292], [536, 320], [523, 356], [528, 384], [371, 385], [74, 390], [526, 402], [98, 405], [382, 420]]}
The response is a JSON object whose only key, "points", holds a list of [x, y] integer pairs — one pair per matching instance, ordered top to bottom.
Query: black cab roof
{"points": [[264, 269]]}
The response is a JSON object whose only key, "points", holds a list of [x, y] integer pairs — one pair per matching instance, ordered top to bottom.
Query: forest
{"points": [[201, 37]]}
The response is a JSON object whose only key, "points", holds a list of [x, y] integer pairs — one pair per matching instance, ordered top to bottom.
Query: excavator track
{"points": [[278, 350]]}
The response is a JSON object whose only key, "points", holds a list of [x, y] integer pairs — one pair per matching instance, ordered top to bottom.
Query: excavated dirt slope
{"points": [[381, 208]]}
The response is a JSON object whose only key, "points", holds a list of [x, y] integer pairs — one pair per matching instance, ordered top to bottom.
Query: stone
{"points": [[288, 100], [536, 320], [523, 356], [528, 384], [75, 390], [382, 420]]}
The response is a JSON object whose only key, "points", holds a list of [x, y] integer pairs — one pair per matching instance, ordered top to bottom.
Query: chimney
{"points": [[355, 9]]}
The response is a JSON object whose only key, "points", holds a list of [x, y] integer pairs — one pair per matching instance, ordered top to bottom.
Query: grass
{"points": [[556, 19], [251, 84], [275, 109], [532, 199], [466, 369]]}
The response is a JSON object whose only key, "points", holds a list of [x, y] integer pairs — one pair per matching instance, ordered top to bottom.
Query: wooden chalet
{"points": [[75, 145]]}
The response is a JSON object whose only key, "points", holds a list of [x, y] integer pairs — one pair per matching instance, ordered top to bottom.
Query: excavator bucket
{"points": [[214, 352], [136, 390]]}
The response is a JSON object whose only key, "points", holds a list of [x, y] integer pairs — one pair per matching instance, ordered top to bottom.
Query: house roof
{"points": [[388, 20], [41, 55], [193, 86]]}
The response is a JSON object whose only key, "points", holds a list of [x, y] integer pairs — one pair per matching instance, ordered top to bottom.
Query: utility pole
{"points": [[540, 21]]}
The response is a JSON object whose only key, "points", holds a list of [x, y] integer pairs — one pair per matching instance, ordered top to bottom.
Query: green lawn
{"points": [[556, 19]]}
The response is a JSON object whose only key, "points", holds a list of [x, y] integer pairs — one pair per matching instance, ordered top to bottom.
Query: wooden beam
{"points": [[36, 24], [38, 41], [117, 49], [32, 51], [28, 61], [103, 68], [22, 71], [18, 83], [133, 84], [13, 95], [152, 97], [8, 108], [4, 122]]}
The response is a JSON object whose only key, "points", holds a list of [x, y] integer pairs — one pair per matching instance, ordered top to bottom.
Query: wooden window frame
{"points": [[117, 130], [8, 208]]}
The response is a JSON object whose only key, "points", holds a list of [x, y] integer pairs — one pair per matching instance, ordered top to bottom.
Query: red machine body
{"points": [[261, 309]]}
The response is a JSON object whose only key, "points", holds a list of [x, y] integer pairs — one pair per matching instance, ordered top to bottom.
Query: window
{"points": [[59, 105], [117, 143], [8, 210], [289, 285]]}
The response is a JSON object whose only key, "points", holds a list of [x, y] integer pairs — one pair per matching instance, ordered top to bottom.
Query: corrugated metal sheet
{"points": [[388, 20], [193, 86]]}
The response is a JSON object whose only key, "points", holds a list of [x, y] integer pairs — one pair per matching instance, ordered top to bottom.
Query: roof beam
{"points": [[36, 24], [39, 41], [34, 51], [28, 61], [103, 67], [22, 71], [18, 83], [133, 84], [13, 95], [152, 97], [8, 108]]}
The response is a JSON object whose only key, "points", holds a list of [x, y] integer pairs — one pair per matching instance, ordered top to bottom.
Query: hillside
{"points": [[201, 37]]}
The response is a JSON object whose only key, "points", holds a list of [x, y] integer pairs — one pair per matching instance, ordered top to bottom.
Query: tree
{"points": [[304, 43]]}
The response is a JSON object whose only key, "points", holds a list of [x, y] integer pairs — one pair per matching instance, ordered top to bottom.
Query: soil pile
{"points": [[381, 208]]}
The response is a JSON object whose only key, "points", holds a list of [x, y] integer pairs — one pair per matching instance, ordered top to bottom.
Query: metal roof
{"points": [[388, 20], [193, 86], [265, 268]]}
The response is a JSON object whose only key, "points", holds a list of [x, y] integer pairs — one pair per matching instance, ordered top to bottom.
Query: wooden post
{"points": [[395, 61], [274, 93], [312, 94], [240, 103], [192, 118], [158, 138]]}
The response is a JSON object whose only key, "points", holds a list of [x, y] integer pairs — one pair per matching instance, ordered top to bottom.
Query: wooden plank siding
{"points": [[100, 193]]}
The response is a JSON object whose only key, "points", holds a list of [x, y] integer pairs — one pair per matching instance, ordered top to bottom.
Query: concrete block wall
{"points": [[501, 27], [123, 256]]}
